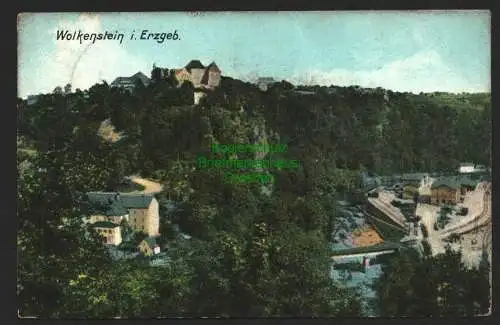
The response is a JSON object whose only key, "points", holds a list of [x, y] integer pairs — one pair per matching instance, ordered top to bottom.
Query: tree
{"points": [[67, 89], [58, 91], [433, 286]]}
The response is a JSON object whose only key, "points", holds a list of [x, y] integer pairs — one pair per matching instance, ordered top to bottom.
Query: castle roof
{"points": [[194, 64], [213, 67]]}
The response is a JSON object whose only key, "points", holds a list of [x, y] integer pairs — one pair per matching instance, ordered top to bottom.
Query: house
{"points": [[203, 78], [129, 83], [32, 99], [445, 190], [141, 211], [110, 231], [148, 246]]}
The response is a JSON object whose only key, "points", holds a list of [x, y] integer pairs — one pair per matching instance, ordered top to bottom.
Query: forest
{"points": [[252, 254]]}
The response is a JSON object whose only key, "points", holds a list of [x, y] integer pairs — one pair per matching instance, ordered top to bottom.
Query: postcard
{"points": [[254, 164]]}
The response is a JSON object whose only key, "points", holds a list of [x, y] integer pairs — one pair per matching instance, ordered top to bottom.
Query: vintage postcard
{"points": [[254, 164]]}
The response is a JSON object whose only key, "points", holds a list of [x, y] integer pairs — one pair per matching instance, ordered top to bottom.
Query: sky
{"points": [[420, 51]]}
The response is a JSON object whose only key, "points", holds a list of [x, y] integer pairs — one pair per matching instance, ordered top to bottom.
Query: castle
{"points": [[203, 78]]}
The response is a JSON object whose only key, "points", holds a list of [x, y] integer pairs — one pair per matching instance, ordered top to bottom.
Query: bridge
{"points": [[343, 255]]}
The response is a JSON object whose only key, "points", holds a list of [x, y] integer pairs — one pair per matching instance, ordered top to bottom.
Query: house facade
{"points": [[140, 211], [111, 232]]}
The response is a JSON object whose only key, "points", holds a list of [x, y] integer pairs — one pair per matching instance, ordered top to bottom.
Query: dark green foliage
{"points": [[423, 228], [427, 249], [436, 286]]}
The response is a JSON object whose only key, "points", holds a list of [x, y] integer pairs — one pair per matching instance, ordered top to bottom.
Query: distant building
{"points": [[264, 82], [129, 83], [304, 92], [32, 99], [466, 168], [141, 211], [110, 231], [149, 246]]}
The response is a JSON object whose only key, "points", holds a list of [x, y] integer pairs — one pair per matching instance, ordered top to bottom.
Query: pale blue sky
{"points": [[403, 51]]}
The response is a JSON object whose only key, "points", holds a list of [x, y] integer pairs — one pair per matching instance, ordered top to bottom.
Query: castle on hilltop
{"points": [[203, 78]]}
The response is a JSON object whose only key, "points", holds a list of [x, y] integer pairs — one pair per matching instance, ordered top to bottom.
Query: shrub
{"points": [[373, 194], [396, 203], [454, 238]]}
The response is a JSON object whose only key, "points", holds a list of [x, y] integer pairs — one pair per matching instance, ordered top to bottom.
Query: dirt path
{"points": [[150, 187]]}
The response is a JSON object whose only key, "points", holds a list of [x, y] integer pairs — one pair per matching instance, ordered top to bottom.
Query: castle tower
{"points": [[196, 71], [214, 75]]}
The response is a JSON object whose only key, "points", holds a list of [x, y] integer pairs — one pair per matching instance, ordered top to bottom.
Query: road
{"points": [[150, 187], [429, 214]]}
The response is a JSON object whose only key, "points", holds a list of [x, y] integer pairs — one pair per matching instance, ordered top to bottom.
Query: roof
{"points": [[194, 64], [213, 67], [140, 76], [121, 81], [466, 164], [467, 181], [450, 182], [117, 204], [104, 224], [151, 241]]}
